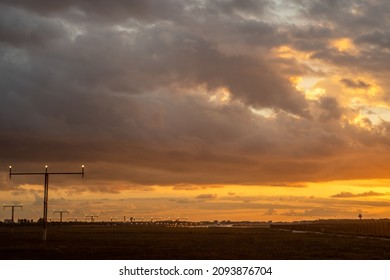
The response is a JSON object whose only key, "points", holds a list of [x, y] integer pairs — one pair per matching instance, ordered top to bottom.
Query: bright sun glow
{"points": [[344, 45], [220, 96]]}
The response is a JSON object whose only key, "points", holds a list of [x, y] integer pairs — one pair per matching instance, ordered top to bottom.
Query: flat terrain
{"points": [[103, 242]]}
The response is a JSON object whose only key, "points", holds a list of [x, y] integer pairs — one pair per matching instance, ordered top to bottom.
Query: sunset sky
{"points": [[229, 110]]}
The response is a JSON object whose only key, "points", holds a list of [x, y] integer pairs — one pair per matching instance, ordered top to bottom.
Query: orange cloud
{"points": [[365, 194]]}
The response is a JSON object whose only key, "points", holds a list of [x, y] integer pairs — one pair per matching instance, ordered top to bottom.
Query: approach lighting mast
{"points": [[46, 190], [12, 206], [61, 212], [92, 217]]}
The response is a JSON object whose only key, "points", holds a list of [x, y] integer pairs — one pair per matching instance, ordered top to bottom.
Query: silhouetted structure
{"points": [[46, 190], [13, 210], [61, 212], [13, 214], [92, 217]]}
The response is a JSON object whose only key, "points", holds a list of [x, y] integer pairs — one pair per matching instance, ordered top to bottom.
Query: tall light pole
{"points": [[46, 190], [61, 211]]}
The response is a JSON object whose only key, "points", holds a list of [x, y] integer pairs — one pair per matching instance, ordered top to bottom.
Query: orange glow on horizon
{"points": [[277, 202]]}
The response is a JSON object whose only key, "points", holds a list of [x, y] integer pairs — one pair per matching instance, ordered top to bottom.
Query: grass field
{"points": [[373, 228], [102, 242]]}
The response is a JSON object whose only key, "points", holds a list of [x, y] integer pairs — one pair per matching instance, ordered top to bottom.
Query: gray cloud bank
{"points": [[125, 88]]}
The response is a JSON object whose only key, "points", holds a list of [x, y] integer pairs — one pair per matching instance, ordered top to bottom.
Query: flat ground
{"points": [[100, 242]]}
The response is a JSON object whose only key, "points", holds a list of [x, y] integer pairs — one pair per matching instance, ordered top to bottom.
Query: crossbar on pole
{"points": [[46, 190]]}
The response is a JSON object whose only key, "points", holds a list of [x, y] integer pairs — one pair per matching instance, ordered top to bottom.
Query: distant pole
{"points": [[46, 190], [13, 209], [61, 212], [13, 213], [92, 217]]}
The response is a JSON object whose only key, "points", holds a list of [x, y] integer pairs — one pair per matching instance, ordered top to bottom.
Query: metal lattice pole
{"points": [[46, 190]]}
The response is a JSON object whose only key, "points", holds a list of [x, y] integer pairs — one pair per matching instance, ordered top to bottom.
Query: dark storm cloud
{"points": [[233, 6], [98, 10], [350, 14], [364, 22], [19, 28], [311, 32], [376, 38], [192, 61], [94, 65], [82, 74], [355, 84], [128, 86], [330, 108]]}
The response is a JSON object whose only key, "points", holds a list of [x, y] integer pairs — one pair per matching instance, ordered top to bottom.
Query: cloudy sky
{"points": [[242, 110]]}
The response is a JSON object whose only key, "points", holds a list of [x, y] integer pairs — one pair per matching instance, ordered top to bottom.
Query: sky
{"points": [[201, 110]]}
